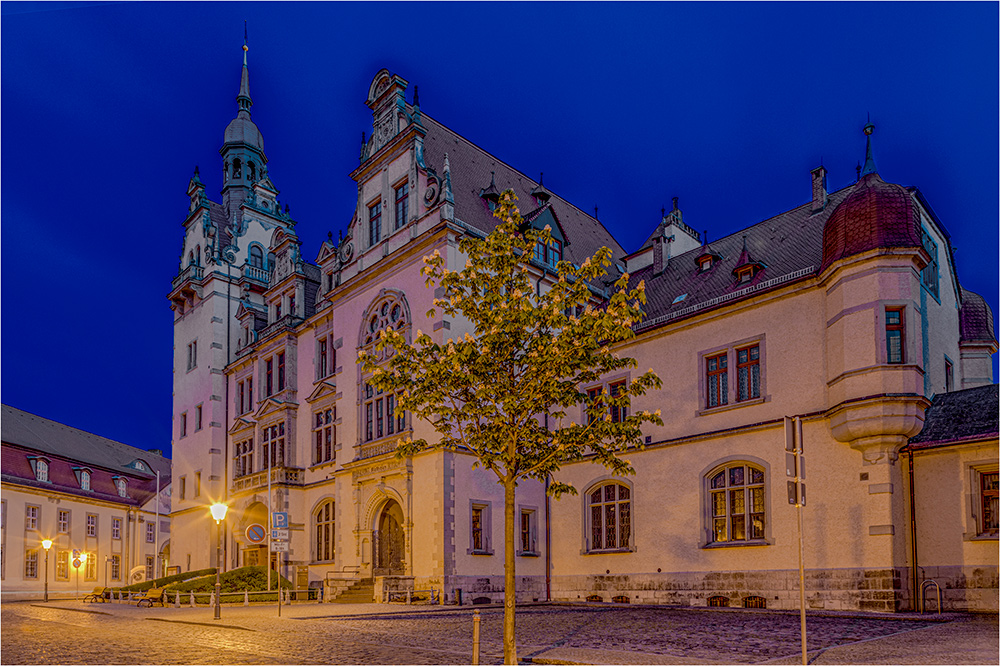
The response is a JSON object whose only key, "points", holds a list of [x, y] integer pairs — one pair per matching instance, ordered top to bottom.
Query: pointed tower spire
{"points": [[243, 98], [243, 147], [869, 166]]}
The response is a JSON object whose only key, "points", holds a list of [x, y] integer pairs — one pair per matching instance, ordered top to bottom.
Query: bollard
{"points": [[458, 596], [246, 597], [288, 597], [409, 598], [177, 599], [192, 599], [475, 638]]}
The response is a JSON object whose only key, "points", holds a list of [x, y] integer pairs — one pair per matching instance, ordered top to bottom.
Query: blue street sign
{"points": [[279, 520]]}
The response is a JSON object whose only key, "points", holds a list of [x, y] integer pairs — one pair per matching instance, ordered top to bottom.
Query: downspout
{"points": [[913, 536], [548, 543]]}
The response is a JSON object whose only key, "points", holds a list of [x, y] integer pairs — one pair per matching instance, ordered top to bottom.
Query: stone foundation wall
{"points": [[529, 588], [963, 588], [829, 589]]}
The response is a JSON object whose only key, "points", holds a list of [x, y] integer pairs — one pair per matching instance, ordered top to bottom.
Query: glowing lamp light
{"points": [[219, 511], [46, 543], [83, 557]]}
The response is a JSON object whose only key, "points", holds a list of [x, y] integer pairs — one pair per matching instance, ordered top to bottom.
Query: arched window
{"points": [[237, 169], [225, 172], [253, 172], [197, 255], [256, 256], [191, 258], [378, 417], [41, 469], [84, 480], [122, 485], [736, 501], [609, 516], [324, 520]]}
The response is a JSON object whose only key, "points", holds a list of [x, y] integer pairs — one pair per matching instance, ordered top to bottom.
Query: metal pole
{"points": [[798, 513], [156, 531], [218, 568], [47, 575], [475, 638]]}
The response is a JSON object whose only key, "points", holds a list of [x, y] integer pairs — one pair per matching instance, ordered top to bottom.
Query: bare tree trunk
{"points": [[509, 645]]}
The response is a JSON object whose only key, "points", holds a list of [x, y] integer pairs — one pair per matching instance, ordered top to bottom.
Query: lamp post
{"points": [[219, 513], [46, 544]]}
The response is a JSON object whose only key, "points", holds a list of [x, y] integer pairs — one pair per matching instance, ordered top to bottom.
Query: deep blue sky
{"points": [[107, 108]]}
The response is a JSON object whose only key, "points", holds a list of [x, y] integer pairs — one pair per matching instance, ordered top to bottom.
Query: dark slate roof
{"points": [[470, 174], [218, 216], [789, 245], [975, 319], [960, 416], [50, 437]]}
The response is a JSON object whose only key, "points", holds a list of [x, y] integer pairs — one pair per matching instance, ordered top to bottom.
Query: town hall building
{"points": [[845, 311]]}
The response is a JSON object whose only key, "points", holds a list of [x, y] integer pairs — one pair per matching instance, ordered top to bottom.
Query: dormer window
{"points": [[549, 254], [704, 263], [744, 274], [41, 468], [82, 477], [121, 483]]}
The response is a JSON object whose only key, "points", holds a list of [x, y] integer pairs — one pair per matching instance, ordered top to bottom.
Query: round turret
{"points": [[243, 130], [876, 214], [975, 319]]}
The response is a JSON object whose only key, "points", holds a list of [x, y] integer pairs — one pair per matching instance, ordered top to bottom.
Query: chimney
{"points": [[819, 188], [658, 253]]}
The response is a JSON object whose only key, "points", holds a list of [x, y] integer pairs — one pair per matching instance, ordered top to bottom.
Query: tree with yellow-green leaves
{"points": [[504, 394]]}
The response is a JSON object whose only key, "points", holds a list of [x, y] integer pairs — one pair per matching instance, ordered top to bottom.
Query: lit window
{"points": [[402, 204], [374, 223], [895, 338], [748, 373], [717, 379], [325, 435], [988, 483], [197, 484], [736, 498], [610, 517], [324, 520], [91, 525], [116, 528], [31, 563], [62, 565], [90, 566], [116, 567], [149, 567]]}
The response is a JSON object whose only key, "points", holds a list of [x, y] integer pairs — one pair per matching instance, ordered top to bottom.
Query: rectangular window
{"points": [[402, 204], [374, 224], [540, 252], [555, 252], [929, 275], [291, 304], [277, 310], [895, 338], [192, 357], [322, 367], [281, 371], [748, 373], [949, 376], [268, 377], [717, 379], [591, 397], [618, 413], [197, 418], [379, 418], [184, 424], [324, 435], [274, 445], [244, 459], [41, 469], [197, 484], [989, 485], [183, 488], [31, 517], [63, 521], [91, 525], [116, 528], [477, 528], [527, 531], [150, 532], [31, 563], [62, 565], [90, 567], [116, 567], [149, 568]]}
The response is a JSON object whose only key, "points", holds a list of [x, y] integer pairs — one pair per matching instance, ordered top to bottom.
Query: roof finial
{"points": [[245, 47], [243, 98], [869, 166], [857, 170], [541, 175], [663, 211], [595, 213]]}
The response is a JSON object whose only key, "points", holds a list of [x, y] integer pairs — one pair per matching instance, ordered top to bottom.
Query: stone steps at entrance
{"points": [[360, 592]]}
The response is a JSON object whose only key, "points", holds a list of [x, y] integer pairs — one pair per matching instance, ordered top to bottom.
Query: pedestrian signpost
{"points": [[795, 467], [278, 543], [78, 559]]}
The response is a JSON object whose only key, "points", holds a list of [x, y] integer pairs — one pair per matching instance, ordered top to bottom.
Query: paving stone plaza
{"points": [[71, 632]]}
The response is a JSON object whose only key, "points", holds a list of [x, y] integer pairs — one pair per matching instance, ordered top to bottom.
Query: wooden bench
{"points": [[100, 594], [153, 595]]}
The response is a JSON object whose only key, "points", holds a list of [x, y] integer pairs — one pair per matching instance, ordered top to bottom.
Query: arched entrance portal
{"points": [[388, 541]]}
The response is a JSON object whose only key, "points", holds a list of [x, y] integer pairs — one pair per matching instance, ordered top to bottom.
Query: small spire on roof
{"points": [[245, 47], [416, 95], [869, 159], [196, 169], [857, 170], [674, 199], [663, 211], [595, 213], [329, 236]]}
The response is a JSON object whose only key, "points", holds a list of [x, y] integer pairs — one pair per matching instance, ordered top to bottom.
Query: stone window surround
{"points": [[605, 385], [732, 388], [604, 480], [706, 503], [533, 511], [973, 514], [486, 526]]}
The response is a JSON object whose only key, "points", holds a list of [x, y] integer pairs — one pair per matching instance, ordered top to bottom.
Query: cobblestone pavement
{"points": [[71, 632]]}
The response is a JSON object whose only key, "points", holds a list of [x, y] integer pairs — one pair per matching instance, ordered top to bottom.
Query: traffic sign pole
{"points": [[795, 467]]}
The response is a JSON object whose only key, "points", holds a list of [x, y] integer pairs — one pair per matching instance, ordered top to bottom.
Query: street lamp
{"points": [[219, 513], [46, 544]]}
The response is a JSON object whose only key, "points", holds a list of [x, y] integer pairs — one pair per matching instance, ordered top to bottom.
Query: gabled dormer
{"points": [[196, 192], [551, 254], [707, 258], [747, 268]]}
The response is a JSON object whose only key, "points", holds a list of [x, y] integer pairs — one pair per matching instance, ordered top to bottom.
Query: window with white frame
{"points": [[324, 435], [273, 445], [41, 468], [84, 479], [121, 484], [737, 503], [31, 517], [609, 517], [62, 521], [324, 521], [91, 525], [480, 527], [116, 528], [150, 532], [528, 532], [31, 563], [62, 565], [90, 566], [116, 567]]}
